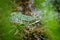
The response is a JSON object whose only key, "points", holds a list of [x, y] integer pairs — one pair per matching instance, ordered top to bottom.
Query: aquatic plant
{"points": [[9, 29]]}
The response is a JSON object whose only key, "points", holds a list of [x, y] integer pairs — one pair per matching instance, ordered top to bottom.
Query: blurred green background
{"points": [[50, 17]]}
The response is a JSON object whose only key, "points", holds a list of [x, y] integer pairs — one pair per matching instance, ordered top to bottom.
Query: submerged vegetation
{"points": [[29, 20]]}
